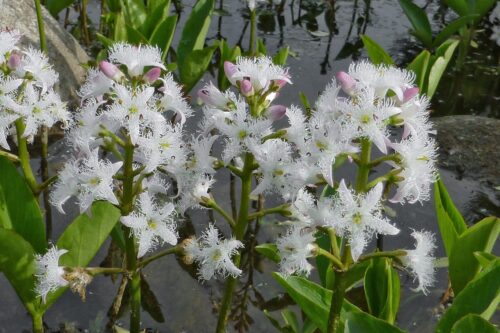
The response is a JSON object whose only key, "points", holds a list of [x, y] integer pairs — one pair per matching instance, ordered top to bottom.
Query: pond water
{"points": [[324, 38]]}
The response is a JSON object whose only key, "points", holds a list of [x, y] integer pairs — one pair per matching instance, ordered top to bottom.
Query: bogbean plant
{"points": [[130, 149]]}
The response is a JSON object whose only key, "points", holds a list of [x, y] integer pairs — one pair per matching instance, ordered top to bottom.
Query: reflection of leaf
{"points": [[319, 33], [349, 49], [149, 301]]}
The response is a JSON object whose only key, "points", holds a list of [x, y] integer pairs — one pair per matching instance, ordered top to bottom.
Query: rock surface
{"points": [[64, 51], [469, 145]]}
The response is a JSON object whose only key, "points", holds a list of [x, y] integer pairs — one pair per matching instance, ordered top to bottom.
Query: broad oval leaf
{"points": [[55, 6], [419, 21], [451, 28], [163, 34], [376, 53], [439, 65], [419, 66], [192, 68], [19, 209], [480, 237], [269, 250], [481, 296], [360, 322], [473, 323]]}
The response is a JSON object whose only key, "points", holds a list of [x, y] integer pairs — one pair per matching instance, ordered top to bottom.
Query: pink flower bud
{"points": [[14, 61], [110, 70], [229, 70], [152, 75], [346, 82], [246, 87], [409, 93], [204, 96], [276, 112]]}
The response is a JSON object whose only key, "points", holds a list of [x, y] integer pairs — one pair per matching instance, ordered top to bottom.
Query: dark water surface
{"points": [[324, 38]]}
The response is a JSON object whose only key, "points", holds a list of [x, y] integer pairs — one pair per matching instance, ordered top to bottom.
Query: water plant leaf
{"points": [[55, 6], [459, 6], [134, 12], [156, 14], [419, 21], [451, 28], [195, 29], [163, 34], [376, 52], [227, 53], [280, 57], [439, 64], [419, 66], [192, 68], [19, 209], [450, 221], [84, 237], [480, 237], [269, 250], [484, 258], [17, 262], [381, 286], [481, 296], [313, 299], [361, 322], [473, 323]]}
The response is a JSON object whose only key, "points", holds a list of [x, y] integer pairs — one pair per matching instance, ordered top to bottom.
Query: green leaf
{"points": [[55, 6], [459, 6], [482, 7], [135, 13], [156, 15], [419, 21], [451, 28], [195, 29], [120, 33], [163, 34], [134, 36], [106, 42], [261, 47], [376, 53], [226, 54], [280, 57], [439, 65], [419, 66], [192, 68], [19, 209], [451, 222], [84, 237], [480, 237], [269, 250], [484, 258], [17, 262], [322, 263], [356, 273], [382, 289], [481, 296], [313, 299], [291, 320], [360, 322], [473, 323]]}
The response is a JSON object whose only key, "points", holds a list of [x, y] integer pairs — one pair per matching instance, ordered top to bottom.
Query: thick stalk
{"points": [[41, 29], [253, 32], [24, 157], [364, 166], [239, 232], [130, 248], [336, 304], [37, 323]]}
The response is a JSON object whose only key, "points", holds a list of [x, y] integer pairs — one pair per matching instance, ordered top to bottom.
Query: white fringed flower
{"points": [[8, 41], [135, 58], [36, 63], [96, 84], [173, 100], [418, 160], [88, 179], [359, 217], [151, 224], [295, 247], [214, 255], [420, 260], [50, 276]]}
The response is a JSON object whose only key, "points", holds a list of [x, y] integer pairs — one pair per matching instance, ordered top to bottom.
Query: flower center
{"points": [[365, 119], [95, 181], [357, 218], [152, 224]]}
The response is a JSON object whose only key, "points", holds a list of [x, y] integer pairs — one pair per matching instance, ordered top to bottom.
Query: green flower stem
{"points": [[41, 29], [253, 32], [276, 135], [9, 156], [24, 157], [391, 157], [387, 177], [47, 183], [211, 203], [127, 205], [281, 209], [239, 232], [333, 242], [173, 250], [387, 254], [334, 260], [104, 270], [338, 283], [37, 323]]}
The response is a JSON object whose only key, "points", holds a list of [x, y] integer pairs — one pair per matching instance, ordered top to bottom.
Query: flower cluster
{"points": [[27, 97]]}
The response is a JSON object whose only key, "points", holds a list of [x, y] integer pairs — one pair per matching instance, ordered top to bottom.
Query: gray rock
{"points": [[64, 51], [469, 145]]}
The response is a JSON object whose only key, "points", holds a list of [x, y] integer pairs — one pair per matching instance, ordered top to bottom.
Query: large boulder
{"points": [[64, 51], [469, 145]]}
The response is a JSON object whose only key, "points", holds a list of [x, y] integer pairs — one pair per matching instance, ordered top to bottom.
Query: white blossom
{"points": [[8, 41], [135, 58], [36, 63], [96, 84], [173, 100], [359, 217], [152, 224], [295, 247], [214, 255], [420, 260], [50, 276]]}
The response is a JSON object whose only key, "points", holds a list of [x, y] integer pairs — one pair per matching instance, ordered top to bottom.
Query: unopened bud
{"points": [[14, 61], [110, 70], [229, 70], [152, 75], [346, 82], [246, 87], [409, 93], [276, 112]]}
